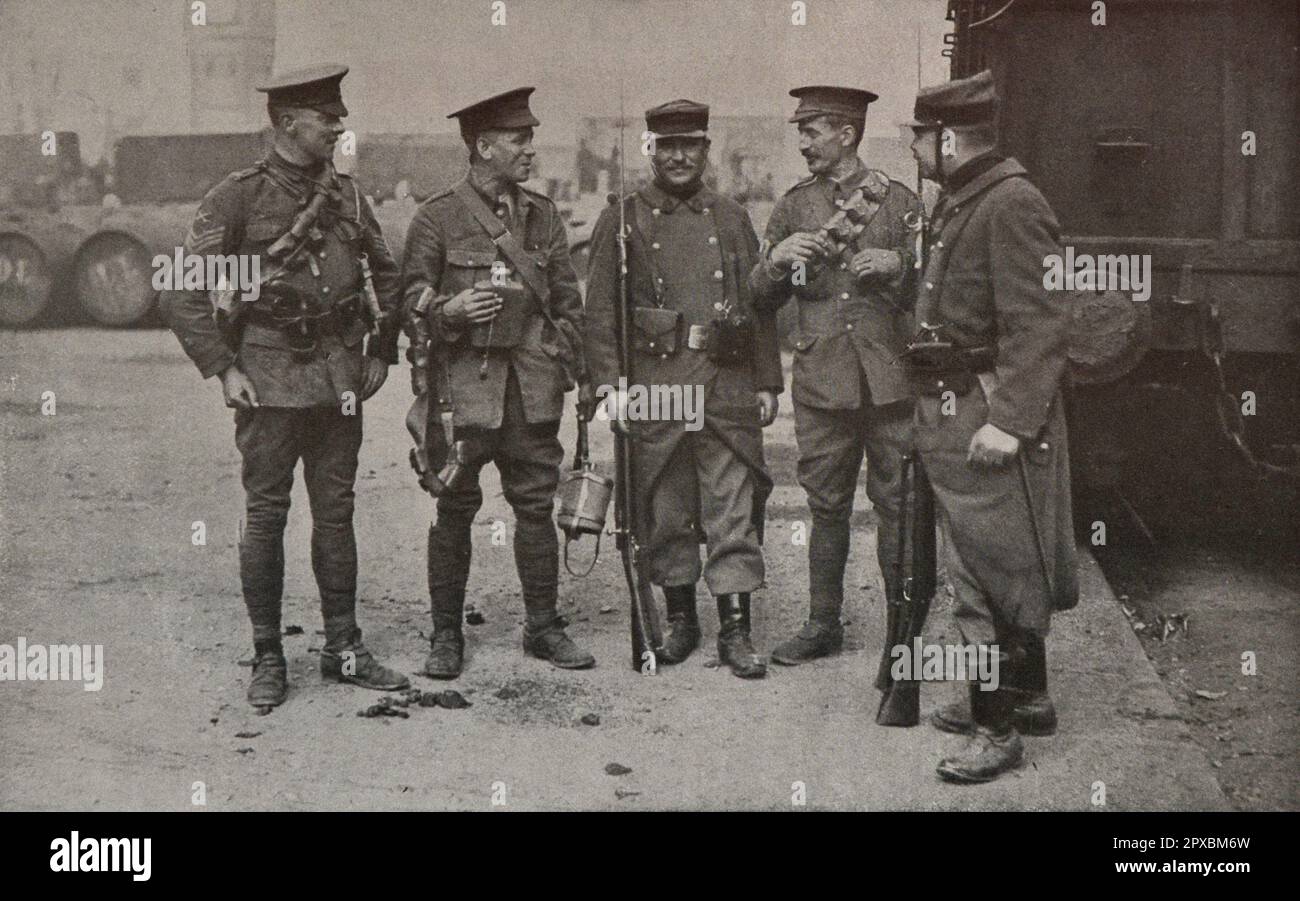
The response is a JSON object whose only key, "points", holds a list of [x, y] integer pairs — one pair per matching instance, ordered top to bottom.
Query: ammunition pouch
{"points": [[302, 327], [506, 330], [656, 331], [730, 340], [935, 366]]}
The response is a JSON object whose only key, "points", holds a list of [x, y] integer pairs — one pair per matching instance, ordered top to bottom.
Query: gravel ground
{"points": [[98, 506]]}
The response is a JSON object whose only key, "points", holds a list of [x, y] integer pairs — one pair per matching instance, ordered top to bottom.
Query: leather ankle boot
{"points": [[684, 625], [734, 646], [994, 747]]}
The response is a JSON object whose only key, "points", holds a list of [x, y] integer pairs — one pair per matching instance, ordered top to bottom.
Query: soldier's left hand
{"points": [[876, 262], [374, 377], [768, 405], [991, 446]]}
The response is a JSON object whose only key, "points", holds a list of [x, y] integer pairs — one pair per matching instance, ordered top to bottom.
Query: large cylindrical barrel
{"points": [[36, 250], [113, 270], [25, 279]]}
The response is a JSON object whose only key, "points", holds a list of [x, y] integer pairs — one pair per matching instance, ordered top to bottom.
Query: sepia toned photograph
{"points": [[650, 405]]}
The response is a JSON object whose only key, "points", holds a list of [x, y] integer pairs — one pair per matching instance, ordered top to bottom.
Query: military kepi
{"points": [[316, 87], [826, 100], [965, 101], [508, 110], [678, 119]]}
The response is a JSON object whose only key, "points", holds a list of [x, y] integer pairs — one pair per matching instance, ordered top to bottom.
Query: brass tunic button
{"points": [[655, 211], [706, 211], [713, 239], [938, 244], [655, 245], [322, 254], [844, 265], [717, 274], [929, 286], [325, 290], [844, 296], [717, 306], [849, 327], [652, 344], [939, 383]]}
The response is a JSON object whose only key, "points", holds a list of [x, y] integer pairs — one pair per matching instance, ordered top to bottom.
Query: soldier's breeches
{"points": [[271, 440], [832, 444], [527, 456], [704, 487]]}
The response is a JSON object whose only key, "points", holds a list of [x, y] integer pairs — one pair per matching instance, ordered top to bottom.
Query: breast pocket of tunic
{"points": [[465, 266]]}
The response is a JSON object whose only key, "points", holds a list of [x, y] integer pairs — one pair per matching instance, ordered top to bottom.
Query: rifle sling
{"points": [[525, 265]]}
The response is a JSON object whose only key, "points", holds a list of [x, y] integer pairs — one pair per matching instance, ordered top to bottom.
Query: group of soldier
{"points": [[492, 366]]}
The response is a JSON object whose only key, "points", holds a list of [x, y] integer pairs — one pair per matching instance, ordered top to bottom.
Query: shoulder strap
{"points": [[524, 264]]}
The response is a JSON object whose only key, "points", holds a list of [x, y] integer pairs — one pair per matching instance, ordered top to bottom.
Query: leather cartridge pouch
{"points": [[506, 329], [656, 331], [730, 340], [934, 366]]}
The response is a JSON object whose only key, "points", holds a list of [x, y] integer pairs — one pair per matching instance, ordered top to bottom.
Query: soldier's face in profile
{"points": [[315, 133], [823, 144], [925, 144], [508, 152], [680, 162]]}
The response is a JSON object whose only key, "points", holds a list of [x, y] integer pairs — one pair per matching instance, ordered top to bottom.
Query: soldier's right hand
{"points": [[801, 247], [470, 307], [238, 389]]}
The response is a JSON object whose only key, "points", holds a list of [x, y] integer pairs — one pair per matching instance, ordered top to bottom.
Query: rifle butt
{"points": [[883, 680], [900, 705]]}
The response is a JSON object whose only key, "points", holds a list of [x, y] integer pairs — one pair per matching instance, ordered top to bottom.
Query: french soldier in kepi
{"points": [[841, 244], [495, 319], [694, 331], [292, 362], [987, 364]]}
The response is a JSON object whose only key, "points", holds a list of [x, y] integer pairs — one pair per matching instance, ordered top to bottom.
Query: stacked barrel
{"points": [[36, 249], [112, 272]]}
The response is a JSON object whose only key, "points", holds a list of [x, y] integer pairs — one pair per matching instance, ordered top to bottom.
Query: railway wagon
{"points": [[1166, 129]]}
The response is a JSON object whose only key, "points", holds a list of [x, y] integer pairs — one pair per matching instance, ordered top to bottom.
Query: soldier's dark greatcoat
{"points": [[692, 255], [984, 285]]}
